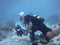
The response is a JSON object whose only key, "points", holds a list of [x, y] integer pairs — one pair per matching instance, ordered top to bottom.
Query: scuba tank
{"points": [[39, 18]]}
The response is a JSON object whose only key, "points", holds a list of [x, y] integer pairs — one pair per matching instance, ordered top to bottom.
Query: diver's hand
{"points": [[25, 32]]}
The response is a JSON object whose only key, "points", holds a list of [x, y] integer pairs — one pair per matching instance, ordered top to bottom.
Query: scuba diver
{"points": [[36, 23]]}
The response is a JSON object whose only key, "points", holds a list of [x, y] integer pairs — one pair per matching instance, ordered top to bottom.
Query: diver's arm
{"points": [[28, 29]]}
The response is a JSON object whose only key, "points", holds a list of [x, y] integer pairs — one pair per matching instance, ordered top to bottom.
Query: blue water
{"points": [[9, 9]]}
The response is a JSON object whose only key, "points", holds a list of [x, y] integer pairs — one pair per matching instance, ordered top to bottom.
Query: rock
{"points": [[6, 30]]}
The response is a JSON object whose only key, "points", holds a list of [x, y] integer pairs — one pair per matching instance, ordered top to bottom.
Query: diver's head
{"points": [[21, 16]]}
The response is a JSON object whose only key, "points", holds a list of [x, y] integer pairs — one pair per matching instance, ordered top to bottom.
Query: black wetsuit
{"points": [[38, 24]]}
